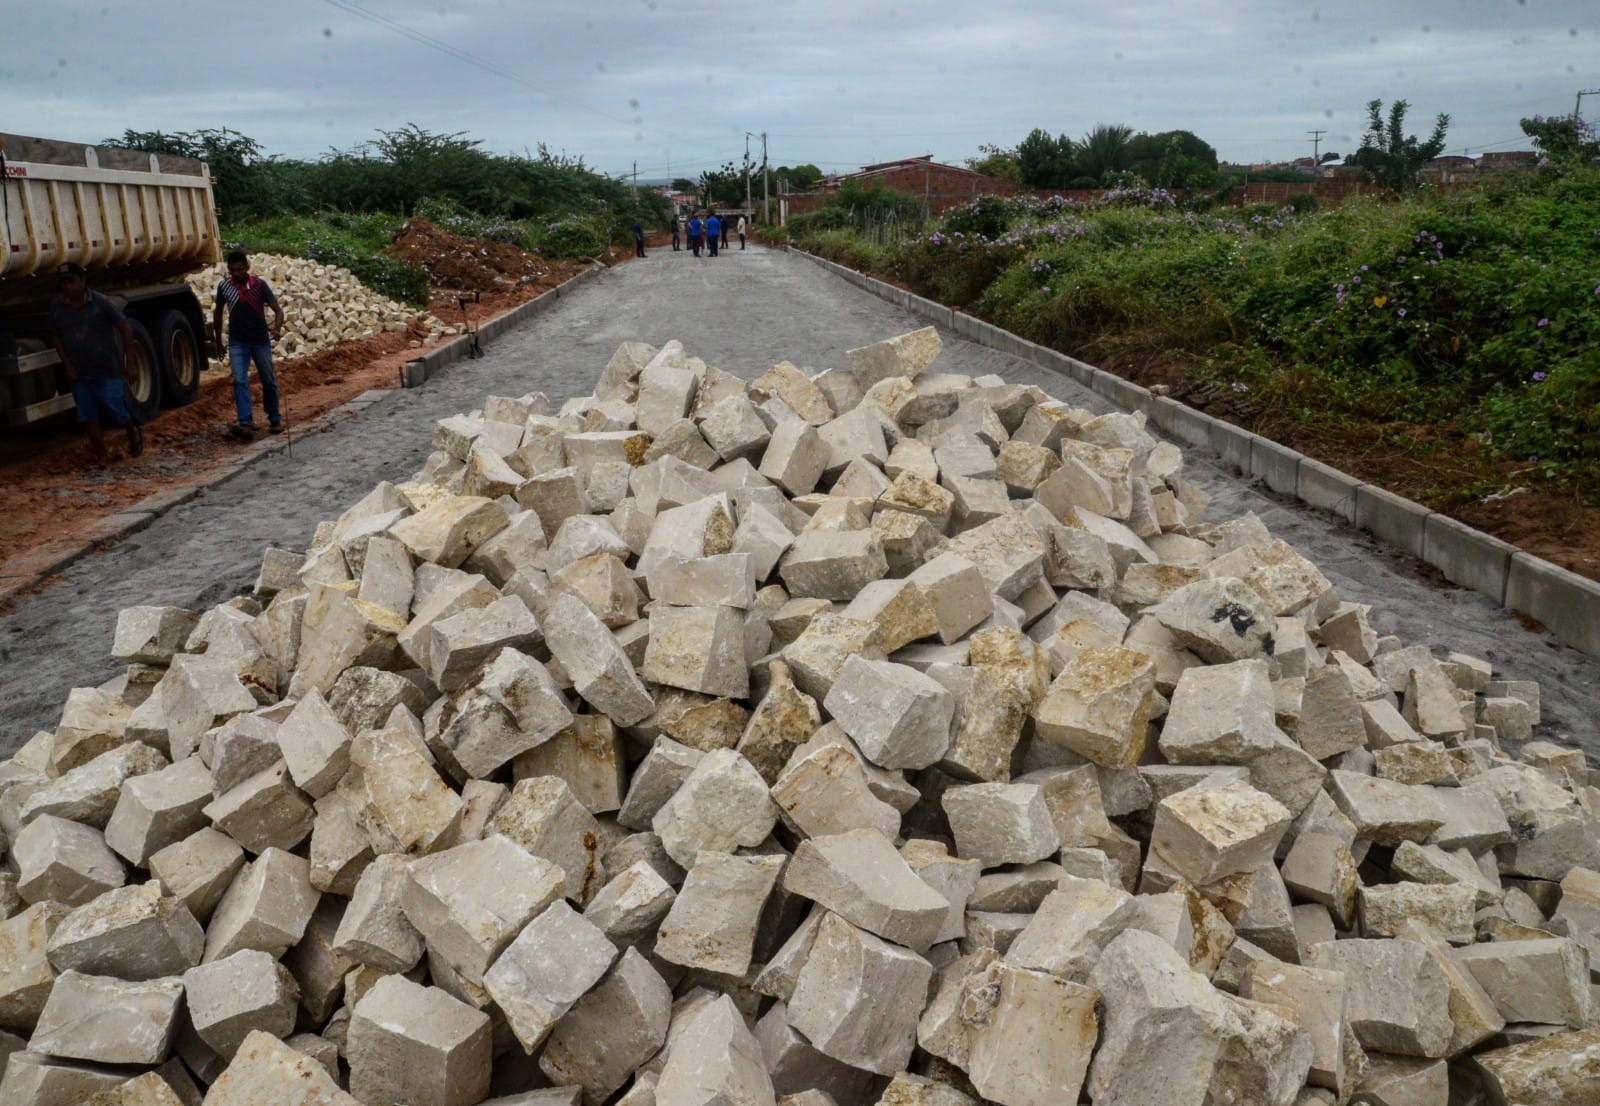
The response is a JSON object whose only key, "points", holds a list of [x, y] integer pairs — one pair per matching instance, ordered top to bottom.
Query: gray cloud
{"points": [[668, 83]]}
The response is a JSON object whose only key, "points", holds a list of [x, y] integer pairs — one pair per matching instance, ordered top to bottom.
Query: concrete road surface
{"points": [[742, 311]]}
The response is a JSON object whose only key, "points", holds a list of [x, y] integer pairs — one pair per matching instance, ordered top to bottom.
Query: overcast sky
{"points": [[675, 83]]}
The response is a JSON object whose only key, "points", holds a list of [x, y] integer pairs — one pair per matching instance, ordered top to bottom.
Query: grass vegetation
{"points": [[346, 207], [1474, 313]]}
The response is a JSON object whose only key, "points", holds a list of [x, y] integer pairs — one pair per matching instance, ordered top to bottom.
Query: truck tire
{"points": [[181, 358], [144, 389]]}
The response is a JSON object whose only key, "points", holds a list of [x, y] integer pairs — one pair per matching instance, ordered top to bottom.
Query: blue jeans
{"points": [[239, 357], [101, 399]]}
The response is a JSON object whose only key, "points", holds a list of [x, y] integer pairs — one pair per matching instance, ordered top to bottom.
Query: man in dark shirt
{"points": [[247, 299], [96, 347]]}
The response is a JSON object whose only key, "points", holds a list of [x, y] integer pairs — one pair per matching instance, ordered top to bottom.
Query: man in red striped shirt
{"points": [[247, 299]]}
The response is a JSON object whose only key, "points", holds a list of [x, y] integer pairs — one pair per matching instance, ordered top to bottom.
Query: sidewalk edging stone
{"points": [[1567, 604]]}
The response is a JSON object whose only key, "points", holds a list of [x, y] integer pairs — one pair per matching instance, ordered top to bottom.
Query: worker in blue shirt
{"points": [[713, 229], [694, 233]]}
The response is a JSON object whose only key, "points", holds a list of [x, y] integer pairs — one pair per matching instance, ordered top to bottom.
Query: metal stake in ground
{"points": [[474, 350]]}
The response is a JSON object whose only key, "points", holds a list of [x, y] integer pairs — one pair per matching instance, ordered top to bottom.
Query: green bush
{"points": [[1477, 309]]}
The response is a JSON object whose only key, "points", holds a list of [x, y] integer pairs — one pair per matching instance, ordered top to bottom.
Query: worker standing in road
{"points": [[713, 229], [741, 232], [694, 233], [676, 234], [638, 238], [247, 298], [96, 347]]}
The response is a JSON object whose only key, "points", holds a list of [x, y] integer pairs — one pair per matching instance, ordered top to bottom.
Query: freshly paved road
{"points": [[742, 312]]}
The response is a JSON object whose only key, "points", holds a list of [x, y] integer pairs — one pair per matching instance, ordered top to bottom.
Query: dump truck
{"points": [[139, 223]]}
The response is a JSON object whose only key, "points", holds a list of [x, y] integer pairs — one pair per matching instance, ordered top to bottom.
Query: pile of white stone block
{"points": [[869, 736]]}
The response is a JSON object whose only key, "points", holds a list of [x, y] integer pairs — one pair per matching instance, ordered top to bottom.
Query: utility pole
{"points": [[1577, 105], [1316, 142], [747, 170], [635, 184], [766, 184]]}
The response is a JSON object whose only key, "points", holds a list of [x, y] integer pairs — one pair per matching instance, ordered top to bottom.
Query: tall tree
{"points": [[1105, 150], [1390, 157], [1045, 162]]}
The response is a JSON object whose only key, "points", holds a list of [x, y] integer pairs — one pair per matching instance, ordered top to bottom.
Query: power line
{"points": [[432, 43]]}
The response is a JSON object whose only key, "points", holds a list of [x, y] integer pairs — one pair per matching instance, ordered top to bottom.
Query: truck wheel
{"points": [[181, 359], [144, 390]]}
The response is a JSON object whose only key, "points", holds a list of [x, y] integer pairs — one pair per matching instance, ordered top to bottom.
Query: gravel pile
{"points": [[323, 305], [867, 736]]}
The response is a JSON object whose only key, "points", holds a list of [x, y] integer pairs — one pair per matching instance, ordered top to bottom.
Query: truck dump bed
{"points": [[130, 218]]}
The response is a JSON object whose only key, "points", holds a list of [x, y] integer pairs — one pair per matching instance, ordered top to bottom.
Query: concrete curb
{"points": [[419, 370], [20, 574], [1566, 603]]}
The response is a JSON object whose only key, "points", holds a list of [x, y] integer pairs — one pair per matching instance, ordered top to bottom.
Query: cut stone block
{"points": [[905, 355], [795, 457], [446, 531], [1008, 551], [833, 564], [1222, 619], [151, 635], [698, 649], [817, 656], [600, 671], [509, 706], [1099, 706], [1221, 714], [898, 717], [93, 721], [588, 755], [826, 790], [395, 792], [89, 793], [722, 805], [158, 809], [264, 811], [1385, 812], [546, 818], [1001, 823], [1208, 832], [63, 861], [1320, 868], [199, 869], [859, 876], [468, 903], [266, 907], [630, 907], [1447, 908], [713, 922], [1073, 927], [374, 930], [133, 933], [554, 960], [26, 976], [1542, 980], [231, 997], [858, 997], [1316, 998], [1396, 998], [1155, 1009], [1473, 1015], [107, 1020], [612, 1030], [1030, 1036], [417, 1045], [714, 1060], [1555, 1071], [32, 1079]]}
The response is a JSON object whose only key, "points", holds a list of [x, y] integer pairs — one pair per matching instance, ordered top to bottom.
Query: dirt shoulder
{"points": [[50, 493]]}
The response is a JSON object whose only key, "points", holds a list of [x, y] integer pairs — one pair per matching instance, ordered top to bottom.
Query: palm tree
{"points": [[1104, 150]]}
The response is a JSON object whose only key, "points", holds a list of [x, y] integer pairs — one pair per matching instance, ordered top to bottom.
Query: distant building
{"points": [[1507, 160], [941, 187]]}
